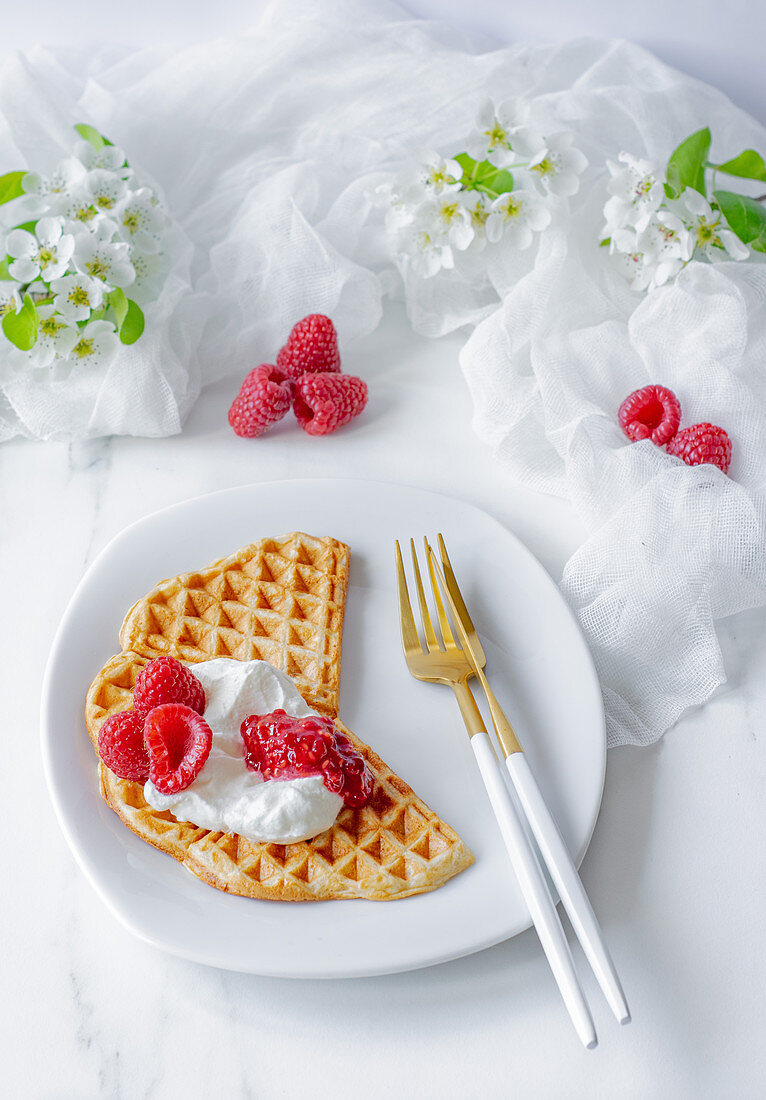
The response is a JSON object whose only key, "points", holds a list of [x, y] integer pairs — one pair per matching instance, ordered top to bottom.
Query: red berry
{"points": [[311, 347], [264, 397], [325, 402], [651, 413], [702, 443], [166, 680], [178, 741], [121, 746], [282, 747]]}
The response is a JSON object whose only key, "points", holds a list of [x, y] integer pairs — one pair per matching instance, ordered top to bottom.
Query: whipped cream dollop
{"points": [[226, 796]]}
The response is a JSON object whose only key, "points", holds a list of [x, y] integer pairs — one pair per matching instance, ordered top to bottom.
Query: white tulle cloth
{"points": [[268, 148]]}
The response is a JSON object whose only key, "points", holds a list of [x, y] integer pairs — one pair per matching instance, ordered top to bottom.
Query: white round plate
{"points": [[538, 664]]}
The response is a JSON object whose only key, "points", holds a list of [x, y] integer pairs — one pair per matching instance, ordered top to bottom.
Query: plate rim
{"points": [[89, 869]]}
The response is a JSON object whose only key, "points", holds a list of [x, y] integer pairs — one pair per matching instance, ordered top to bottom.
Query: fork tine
{"points": [[452, 584], [428, 626], [410, 636], [449, 638]]}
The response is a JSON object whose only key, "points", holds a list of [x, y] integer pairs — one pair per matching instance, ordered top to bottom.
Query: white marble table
{"points": [[676, 869]]}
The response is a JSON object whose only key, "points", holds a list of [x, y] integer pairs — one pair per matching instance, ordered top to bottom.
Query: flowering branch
{"points": [[499, 189], [658, 221], [76, 241]]}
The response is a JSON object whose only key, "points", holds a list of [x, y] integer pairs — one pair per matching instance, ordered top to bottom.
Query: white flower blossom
{"points": [[501, 135], [109, 157], [559, 166], [67, 174], [105, 189], [636, 189], [479, 207], [516, 216], [450, 219], [140, 221], [709, 229], [667, 241], [45, 253], [427, 253], [105, 260], [637, 267], [151, 270], [76, 295], [10, 300], [55, 337], [94, 343]]}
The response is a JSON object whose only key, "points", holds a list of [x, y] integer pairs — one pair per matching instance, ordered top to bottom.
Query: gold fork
{"points": [[439, 659], [551, 843]]}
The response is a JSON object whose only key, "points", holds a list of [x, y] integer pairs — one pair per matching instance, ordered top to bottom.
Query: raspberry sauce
{"points": [[282, 747]]}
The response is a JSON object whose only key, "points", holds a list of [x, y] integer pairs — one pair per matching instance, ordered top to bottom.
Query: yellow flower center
{"points": [[496, 135], [545, 167], [106, 202], [512, 207], [85, 213], [131, 221], [47, 256], [97, 268], [78, 296], [51, 326], [83, 348]]}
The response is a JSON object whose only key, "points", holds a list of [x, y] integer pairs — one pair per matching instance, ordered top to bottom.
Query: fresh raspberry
{"points": [[311, 347], [264, 397], [325, 402], [651, 413], [702, 443], [166, 680], [178, 741], [121, 746], [282, 747]]}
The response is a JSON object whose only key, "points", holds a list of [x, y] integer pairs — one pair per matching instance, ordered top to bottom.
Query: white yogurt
{"points": [[227, 796]]}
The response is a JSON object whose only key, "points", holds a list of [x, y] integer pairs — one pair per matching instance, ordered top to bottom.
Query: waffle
{"points": [[277, 600], [392, 847]]}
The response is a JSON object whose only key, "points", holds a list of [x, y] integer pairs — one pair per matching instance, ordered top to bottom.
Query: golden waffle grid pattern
{"points": [[279, 600], [391, 848]]}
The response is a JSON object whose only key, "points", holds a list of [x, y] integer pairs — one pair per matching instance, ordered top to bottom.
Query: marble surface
{"points": [[676, 868]]}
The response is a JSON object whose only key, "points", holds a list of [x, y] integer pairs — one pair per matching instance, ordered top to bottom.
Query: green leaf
{"points": [[91, 134], [466, 162], [748, 165], [686, 167], [493, 181], [10, 186], [746, 218], [28, 226], [606, 241], [4, 272], [119, 304], [133, 325], [21, 328]]}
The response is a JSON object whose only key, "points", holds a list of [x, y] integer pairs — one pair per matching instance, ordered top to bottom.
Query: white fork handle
{"points": [[568, 883], [535, 891]]}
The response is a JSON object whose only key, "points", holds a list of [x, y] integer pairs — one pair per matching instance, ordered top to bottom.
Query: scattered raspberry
{"points": [[311, 347], [264, 397], [325, 402], [651, 413], [702, 443], [166, 680], [178, 741], [121, 746], [282, 747]]}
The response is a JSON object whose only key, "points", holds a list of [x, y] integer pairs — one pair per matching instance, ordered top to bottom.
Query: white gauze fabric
{"points": [[672, 548]]}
